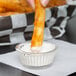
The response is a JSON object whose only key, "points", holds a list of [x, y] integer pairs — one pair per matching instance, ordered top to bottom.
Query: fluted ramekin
{"points": [[36, 59]]}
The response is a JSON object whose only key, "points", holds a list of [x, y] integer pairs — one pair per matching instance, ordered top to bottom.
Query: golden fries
{"points": [[54, 3], [12, 5], [15, 6], [22, 6], [2, 10], [38, 33]]}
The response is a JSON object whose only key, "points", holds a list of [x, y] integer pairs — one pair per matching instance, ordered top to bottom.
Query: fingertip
{"points": [[31, 2], [44, 2]]}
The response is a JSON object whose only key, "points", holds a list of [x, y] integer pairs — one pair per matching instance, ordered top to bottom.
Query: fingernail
{"points": [[44, 2]]}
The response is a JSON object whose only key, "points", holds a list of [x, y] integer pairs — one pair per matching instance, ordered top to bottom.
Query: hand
{"points": [[43, 2]]}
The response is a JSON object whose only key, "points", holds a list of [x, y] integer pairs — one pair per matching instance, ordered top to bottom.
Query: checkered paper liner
{"points": [[19, 28]]}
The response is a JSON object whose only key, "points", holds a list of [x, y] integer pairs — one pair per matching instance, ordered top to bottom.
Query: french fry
{"points": [[54, 3], [11, 5], [15, 5], [2, 9], [8, 13], [37, 38]]}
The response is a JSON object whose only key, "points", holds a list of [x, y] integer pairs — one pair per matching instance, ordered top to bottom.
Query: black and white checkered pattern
{"points": [[19, 28]]}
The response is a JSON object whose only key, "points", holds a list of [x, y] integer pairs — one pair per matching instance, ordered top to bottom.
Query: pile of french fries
{"points": [[8, 7]]}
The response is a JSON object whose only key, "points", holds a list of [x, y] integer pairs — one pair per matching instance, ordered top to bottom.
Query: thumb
{"points": [[44, 2]]}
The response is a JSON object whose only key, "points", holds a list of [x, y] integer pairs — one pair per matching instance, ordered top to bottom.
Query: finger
{"points": [[31, 2], [44, 2]]}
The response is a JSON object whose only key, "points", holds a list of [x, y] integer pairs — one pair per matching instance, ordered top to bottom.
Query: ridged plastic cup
{"points": [[41, 58]]}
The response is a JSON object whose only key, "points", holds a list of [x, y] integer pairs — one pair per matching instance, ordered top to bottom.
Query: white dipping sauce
{"points": [[46, 47]]}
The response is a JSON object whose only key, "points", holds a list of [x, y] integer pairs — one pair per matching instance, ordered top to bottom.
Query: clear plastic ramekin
{"points": [[36, 59]]}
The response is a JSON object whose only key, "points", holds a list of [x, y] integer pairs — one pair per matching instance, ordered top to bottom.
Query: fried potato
{"points": [[54, 3], [15, 5], [22, 6], [2, 10], [8, 13], [37, 38]]}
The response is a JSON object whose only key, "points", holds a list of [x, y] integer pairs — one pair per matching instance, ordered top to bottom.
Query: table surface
{"points": [[64, 63], [6, 70]]}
